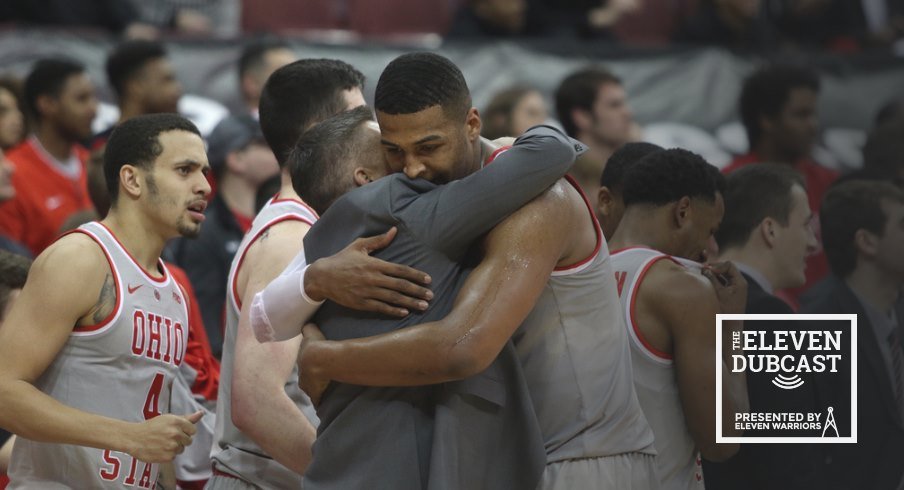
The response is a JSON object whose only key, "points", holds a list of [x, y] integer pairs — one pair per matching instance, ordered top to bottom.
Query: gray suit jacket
{"points": [[475, 433]]}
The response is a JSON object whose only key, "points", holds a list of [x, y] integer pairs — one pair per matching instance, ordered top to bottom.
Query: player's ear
{"points": [[473, 125], [363, 176], [130, 180], [604, 200], [682, 211]]}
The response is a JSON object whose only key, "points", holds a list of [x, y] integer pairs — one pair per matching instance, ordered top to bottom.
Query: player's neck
{"points": [[53, 142], [286, 191], [641, 228], [137, 237]]}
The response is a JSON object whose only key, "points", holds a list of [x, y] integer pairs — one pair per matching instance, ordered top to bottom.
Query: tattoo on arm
{"points": [[106, 301]]}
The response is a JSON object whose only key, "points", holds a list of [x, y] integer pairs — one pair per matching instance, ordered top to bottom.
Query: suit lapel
{"points": [[868, 348]]}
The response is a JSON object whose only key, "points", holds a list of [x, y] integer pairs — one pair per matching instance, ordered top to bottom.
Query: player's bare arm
{"points": [[520, 254], [66, 287], [678, 309], [261, 370]]}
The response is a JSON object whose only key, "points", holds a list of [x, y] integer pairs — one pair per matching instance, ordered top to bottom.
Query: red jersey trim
{"points": [[495, 154], [276, 200], [632, 247], [579, 266], [235, 276], [161, 281], [632, 312], [96, 328]]}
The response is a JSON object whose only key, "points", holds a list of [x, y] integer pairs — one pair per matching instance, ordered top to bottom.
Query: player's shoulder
{"points": [[557, 195], [279, 241], [73, 250], [75, 255], [677, 284]]}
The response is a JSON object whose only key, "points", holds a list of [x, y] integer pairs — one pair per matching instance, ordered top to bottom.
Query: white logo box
{"points": [[852, 325]]}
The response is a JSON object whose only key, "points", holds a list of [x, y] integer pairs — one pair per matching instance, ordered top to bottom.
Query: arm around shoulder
{"points": [[463, 210], [496, 298]]}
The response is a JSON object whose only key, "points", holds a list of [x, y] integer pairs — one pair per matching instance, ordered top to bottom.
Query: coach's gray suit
{"points": [[480, 432]]}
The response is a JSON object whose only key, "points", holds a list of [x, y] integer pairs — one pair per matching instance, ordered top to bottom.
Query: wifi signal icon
{"points": [[787, 382]]}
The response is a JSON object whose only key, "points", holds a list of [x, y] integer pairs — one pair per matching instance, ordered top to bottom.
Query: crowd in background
{"points": [[746, 25], [51, 175]]}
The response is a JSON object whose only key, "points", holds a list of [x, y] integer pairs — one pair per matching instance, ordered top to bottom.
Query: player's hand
{"points": [[354, 279], [730, 286], [308, 380], [161, 438]]}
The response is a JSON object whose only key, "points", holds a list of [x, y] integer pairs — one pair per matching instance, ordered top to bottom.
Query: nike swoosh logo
{"points": [[132, 290]]}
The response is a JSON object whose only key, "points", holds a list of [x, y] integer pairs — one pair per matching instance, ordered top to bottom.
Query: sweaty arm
{"points": [[447, 218], [520, 254], [688, 305], [38, 326], [260, 371]]}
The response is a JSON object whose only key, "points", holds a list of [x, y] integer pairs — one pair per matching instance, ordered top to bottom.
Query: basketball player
{"points": [[673, 205], [92, 345], [572, 346], [265, 425]]}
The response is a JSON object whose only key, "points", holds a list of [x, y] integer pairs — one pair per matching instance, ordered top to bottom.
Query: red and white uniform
{"points": [[122, 368], [234, 455], [678, 460]]}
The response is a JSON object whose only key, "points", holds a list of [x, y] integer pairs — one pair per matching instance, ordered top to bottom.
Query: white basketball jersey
{"points": [[577, 363], [122, 368], [233, 452], [678, 462]]}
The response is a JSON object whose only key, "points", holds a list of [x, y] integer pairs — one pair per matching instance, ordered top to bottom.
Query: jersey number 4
{"points": [[152, 402]]}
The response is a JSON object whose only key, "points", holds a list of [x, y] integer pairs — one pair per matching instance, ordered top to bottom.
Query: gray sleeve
{"points": [[450, 217]]}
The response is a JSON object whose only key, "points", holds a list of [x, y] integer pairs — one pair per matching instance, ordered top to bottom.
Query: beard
{"points": [[187, 230]]}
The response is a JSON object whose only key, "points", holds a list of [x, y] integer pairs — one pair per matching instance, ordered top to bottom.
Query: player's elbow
{"points": [[464, 363], [242, 408], [718, 453]]}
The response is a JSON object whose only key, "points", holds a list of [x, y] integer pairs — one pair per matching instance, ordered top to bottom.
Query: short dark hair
{"points": [[254, 53], [128, 58], [48, 78], [417, 81], [767, 90], [578, 91], [300, 94], [136, 142], [883, 153], [620, 161], [320, 163], [666, 176], [752, 194], [848, 207], [13, 273]]}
